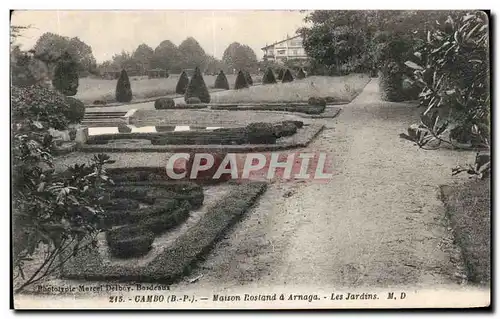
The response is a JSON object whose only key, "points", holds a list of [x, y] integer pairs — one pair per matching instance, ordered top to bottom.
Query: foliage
{"points": [[50, 46], [192, 54], [143, 55], [167, 57], [240, 57], [452, 67], [26, 69], [281, 72], [301, 74], [66, 75], [287, 76], [248, 77], [268, 77], [221, 81], [241, 81], [182, 83], [197, 88], [123, 89], [164, 103], [45, 106], [76, 110], [54, 216]]}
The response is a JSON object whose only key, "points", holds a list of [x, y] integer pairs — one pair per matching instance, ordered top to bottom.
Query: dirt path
{"points": [[377, 223]]}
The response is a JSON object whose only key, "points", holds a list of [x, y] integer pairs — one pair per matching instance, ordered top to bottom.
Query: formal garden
{"points": [[91, 199]]}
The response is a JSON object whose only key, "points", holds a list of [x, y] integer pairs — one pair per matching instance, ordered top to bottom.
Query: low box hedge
{"points": [[163, 222], [132, 247], [178, 258]]}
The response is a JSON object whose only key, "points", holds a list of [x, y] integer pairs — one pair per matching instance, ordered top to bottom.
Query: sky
{"points": [[110, 32]]}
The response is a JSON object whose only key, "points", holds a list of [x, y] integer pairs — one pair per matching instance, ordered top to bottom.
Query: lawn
{"points": [[91, 89], [341, 89], [468, 208]]}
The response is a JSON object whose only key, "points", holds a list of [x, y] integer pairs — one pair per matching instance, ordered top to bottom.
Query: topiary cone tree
{"points": [[280, 74], [301, 74], [66, 75], [287, 76], [248, 77], [268, 77], [221, 81], [241, 81], [182, 83], [197, 88], [123, 89]]}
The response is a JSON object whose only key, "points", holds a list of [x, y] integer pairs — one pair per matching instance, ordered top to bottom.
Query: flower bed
{"points": [[176, 259]]}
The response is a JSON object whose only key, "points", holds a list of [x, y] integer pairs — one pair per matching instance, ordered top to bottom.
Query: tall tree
{"points": [[50, 46], [192, 53], [144, 56], [166, 56], [239, 56], [66, 75]]}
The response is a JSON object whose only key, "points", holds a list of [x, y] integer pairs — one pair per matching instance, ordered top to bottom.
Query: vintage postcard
{"points": [[254, 159]]}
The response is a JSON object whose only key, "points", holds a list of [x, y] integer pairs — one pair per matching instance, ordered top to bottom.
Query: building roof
{"points": [[288, 38]]}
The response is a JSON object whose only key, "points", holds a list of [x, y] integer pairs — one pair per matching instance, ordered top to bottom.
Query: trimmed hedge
{"points": [[281, 72], [301, 74], [66, 75], [287, 76], [248, 77], [269, 77], [221, 81], [241, 81], [182, 84], [197, 88], [123, 90], [193, 100], [316, 101], [164, 103], [307, 109], [76, 110], [123, 128], [284, 129], [161, 223], [132, 247], [177, 259]]}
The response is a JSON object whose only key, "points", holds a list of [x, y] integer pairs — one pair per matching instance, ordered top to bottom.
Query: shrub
{"points": [[280, 74], [301, 74], [66, 75], [287, 76], [248, 77], [268, 77], [221, 81], [241, 81], [391, 82], [182, 84], [197, 88], [123, 89], [193, 100], [316, 101], [99, 102], [164, 103], [44, 105], [76, 110], [298, 124], [123, 128], [284, 129], [260, 133], [120, 204], [164, 222], [129, 241]]}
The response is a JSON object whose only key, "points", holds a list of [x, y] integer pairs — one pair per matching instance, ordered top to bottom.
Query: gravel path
{"points": [[377, 223]]}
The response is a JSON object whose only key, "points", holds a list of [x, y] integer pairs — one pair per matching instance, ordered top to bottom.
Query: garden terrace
{"points": [[171, 255]]}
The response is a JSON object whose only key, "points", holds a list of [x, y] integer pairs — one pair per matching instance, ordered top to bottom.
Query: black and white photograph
{"points": [[250, 159]]}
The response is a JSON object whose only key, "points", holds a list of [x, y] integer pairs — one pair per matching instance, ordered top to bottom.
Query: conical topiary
{"points": [[280, 74], [301, 74], [66, 75], [287, 76], [248, 77], [268, 77], [221, 81], [241, 81], [182, 83], [197, 88], [123, 89]]}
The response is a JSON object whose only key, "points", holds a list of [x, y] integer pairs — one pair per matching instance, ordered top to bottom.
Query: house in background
{"points": [[289, 49]]}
